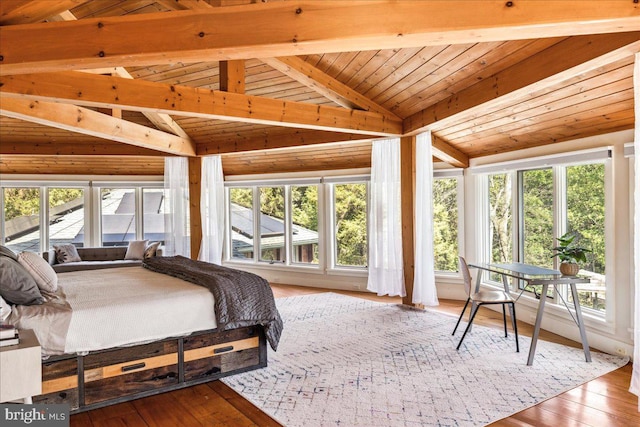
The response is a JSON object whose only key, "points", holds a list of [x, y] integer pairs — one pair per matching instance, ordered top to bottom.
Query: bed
{"points": [[113, 335]]}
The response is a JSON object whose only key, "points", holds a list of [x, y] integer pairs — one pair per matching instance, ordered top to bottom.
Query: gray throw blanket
{"points": [[241, 298]]}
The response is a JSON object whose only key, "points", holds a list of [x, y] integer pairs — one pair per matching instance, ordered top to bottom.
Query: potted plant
{"points": [[570, 254]]}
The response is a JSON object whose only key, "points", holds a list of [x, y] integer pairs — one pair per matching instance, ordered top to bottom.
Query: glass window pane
{"points": [[350, 209], [118, 210], [537, 213], [153, 214], [66, 216], [585, 216], [22, 219], [500, 220], [241, 223], [445, 224], [304, 230], [538, 239], [272, 243]]}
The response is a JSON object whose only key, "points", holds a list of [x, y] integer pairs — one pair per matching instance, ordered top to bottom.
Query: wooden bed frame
{"points": [[117, 375]]}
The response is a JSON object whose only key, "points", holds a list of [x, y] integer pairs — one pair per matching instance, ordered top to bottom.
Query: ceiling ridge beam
{"points": [[303, 27], [558, 63], [324, 84], [140, 95], [89, 122]]}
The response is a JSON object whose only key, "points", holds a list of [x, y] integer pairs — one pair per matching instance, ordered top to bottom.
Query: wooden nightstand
{"points": [[21, 369]]}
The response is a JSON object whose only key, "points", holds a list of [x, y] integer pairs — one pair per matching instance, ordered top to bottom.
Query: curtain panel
{"points": [[176, 207], [212, 210], [386, 273], [424, 280], [635, 377]]}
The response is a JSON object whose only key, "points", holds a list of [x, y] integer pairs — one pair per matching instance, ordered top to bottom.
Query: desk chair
{"points": [[484, 297]]}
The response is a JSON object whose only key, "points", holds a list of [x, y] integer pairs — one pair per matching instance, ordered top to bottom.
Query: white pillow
{"points": [[136, 248], [40, 270], [5, 309]]}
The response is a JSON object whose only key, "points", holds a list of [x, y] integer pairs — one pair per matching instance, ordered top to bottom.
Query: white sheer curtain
{"points": [[176, 206], [212, 210], [386, 274], [424, 280], [635, 377]]}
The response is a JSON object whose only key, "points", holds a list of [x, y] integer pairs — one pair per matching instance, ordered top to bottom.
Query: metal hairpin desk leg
{"points": [[580, 322], [536, 328]]}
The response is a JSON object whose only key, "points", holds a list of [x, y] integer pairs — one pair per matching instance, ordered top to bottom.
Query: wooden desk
{"points": [[534, 275], [21, 369]]}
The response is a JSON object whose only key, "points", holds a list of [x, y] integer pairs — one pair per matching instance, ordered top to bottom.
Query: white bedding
{"points": [[127, 306]]}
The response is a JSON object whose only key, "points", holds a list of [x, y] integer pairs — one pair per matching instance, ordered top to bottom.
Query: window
{"points": [[536, 189], [550, 201], [153, 214], [37, 215], [585, 215], [66, 216], [118, 216], [21, 218], [500, 219], [241, 220], [292, 220], [272, 224], [350, 224], [445, 224], [304, 227]]}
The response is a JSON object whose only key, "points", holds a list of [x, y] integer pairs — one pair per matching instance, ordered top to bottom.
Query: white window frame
{"points": [[558, 164], [91, 192], [326, 223]]}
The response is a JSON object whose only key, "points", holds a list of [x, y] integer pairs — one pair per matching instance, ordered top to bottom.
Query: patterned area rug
{"points": [[345, 361]]}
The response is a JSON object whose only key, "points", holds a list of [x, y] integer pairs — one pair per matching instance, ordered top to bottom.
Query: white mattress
{"points": [[127, 306]]}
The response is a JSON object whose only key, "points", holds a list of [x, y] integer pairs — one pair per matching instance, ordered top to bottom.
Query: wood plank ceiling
{"points": [[481, 94]]}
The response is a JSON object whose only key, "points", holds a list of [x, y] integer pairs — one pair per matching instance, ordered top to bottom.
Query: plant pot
{"points": [[569, 268]]}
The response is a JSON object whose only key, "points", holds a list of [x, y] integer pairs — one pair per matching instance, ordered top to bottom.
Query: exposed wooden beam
{"points": [[186, 4], [14, 12], [298, 27], [569, 58], [232, 76], [324, 84], [138, 95], [161, 121], [89, 122], [271, 140], [57, 148], [449, 154], [81, 165], [407, 196], [195, 217]]}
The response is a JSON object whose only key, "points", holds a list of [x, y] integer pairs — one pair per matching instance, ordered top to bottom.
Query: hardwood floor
{"points": [[604, 401]]}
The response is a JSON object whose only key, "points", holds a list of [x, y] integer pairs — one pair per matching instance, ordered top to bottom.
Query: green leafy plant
{"points": [[568, 249]]}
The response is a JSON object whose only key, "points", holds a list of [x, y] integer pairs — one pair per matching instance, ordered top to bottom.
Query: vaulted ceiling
{"points": [[113, 86]]}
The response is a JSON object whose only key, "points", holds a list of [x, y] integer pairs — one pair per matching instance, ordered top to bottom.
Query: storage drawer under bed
{"points": [[212, 355], [128, 371], [116, 375]]}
